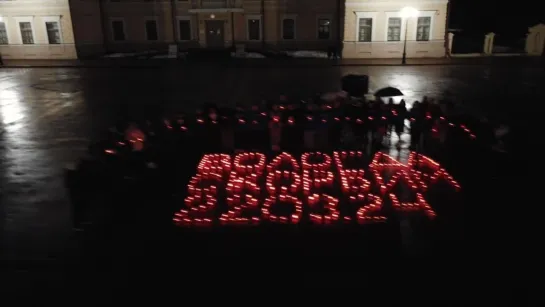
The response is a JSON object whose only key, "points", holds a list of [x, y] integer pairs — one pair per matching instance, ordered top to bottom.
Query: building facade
{"points": [[138, 25], [377, 28], [36, 29], [66, 29]]}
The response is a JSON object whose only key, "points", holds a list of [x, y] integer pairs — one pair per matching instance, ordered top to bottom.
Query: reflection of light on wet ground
{"points": [[11, 109], [58, 116]]}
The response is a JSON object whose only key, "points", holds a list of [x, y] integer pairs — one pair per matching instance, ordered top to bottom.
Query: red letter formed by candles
{"points": [[420, 167], [401, 172], [317, 176], [283, 186], [356, 187], [243, 189], [203, 191]]}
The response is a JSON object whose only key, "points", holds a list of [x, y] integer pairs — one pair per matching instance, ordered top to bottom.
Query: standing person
{"points": [[391, 112], [399, 121], [227, 122], [381, 123], [310, 124], [416, 125], [335, 126], [275, 128], [275, 132]]}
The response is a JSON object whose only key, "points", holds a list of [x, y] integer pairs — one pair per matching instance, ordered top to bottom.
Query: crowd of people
{"points": [[337, 122], [155, 153]]}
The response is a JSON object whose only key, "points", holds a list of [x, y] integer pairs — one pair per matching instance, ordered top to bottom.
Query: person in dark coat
{"points": [[416, 120], [399, 121]]}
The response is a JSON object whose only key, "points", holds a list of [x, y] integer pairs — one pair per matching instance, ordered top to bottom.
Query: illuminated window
{"points": [[288, 28], [324, 28], [365, 29], [394, 29], [423, 29], [53, 32], [26, 33], [3, 34]]}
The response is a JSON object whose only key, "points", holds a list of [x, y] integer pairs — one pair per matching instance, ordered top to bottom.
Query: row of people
{"points": [[296, 125]]}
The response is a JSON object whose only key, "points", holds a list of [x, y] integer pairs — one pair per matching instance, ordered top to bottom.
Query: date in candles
{"points": [[320, 188]]}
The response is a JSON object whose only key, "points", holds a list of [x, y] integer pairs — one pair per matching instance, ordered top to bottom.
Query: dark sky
{"points": [[504, 17]]}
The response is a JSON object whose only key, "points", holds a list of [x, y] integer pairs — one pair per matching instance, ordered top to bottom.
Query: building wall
{"points": [[380, 11], [37, 12], [90, 21], [88, 28], [535, 40]]}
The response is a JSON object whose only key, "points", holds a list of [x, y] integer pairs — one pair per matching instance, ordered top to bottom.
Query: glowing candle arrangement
{"points": [[291, 121], [317, 176], [356, 187], [255, 192], [282, 192], [420, 205]]}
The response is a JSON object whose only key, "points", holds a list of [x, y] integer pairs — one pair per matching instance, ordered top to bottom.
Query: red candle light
{"points": [[281, 159], [419, 161], [249, 163], [214, 166], [284, 184], [353, 184], [242, 195], [200, 203], [420, 205], [330, 206], [365, 214], [294, 218]]}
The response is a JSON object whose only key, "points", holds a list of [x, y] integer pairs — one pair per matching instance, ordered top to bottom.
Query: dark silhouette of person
{"points": [[399, 121], [416, 124]]}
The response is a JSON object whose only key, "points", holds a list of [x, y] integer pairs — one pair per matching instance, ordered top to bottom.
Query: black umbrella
{"points": [[388, 92]]}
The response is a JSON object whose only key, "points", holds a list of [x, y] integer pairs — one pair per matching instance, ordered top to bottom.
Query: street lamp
{"points": [[407, 12]]}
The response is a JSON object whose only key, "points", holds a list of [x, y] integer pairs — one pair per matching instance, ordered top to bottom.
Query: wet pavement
{"points": [[48, 117]]}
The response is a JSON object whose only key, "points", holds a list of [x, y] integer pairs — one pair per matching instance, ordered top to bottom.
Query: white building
{"points": [[377, 28], [31, 29], [36, 29], [535, 40]]}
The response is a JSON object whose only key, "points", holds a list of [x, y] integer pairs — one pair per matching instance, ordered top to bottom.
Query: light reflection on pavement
{"points": [[48, 117]]}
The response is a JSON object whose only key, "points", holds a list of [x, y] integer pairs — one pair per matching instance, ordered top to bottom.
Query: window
{"points": [[288, 28], [324, 28], [185, 29], [254, 29], [365, 29], [394, 29], [423, 29], [118, 30], [151, 30], [53, 32], [26, 33], [3, 34]]}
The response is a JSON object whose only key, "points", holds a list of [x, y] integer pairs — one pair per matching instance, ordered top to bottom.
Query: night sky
{"points": [[506, 18]]}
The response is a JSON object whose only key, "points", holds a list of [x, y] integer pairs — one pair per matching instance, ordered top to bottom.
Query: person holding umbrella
{"points": [[383, 116]]}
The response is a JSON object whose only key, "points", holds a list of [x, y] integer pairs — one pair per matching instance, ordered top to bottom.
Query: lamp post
{"points": [[406, 13]]}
